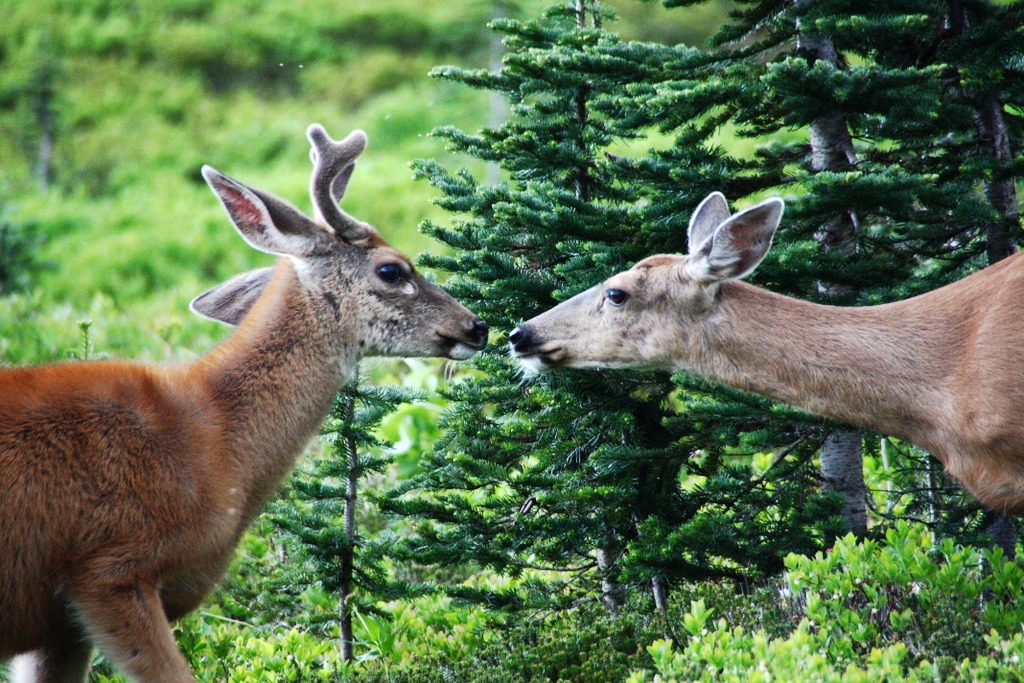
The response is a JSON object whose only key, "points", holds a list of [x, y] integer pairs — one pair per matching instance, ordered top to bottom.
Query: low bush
{"points": [[939, 600], [900, 609], [906, 609]]}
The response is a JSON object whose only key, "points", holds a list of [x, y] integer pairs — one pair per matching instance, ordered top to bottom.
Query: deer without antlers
{"points": [[944, 370], [127, 486]]}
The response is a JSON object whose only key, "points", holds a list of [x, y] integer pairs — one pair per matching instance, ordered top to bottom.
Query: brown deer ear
{"points": [[709, 214], [266, 222], [739, 244], [231, 301]]}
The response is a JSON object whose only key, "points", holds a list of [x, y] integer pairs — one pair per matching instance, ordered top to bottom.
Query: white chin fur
{"points": [[461, 352], [531, 365]]}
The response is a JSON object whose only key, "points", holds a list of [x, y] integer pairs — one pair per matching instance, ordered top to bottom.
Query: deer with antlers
{"points": [[944, 370], [127, 486]]}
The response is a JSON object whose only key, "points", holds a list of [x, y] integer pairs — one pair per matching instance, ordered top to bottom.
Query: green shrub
{"points": [[938, 600], [903, 609], [585, 646], [225, 651], [721, 654]]}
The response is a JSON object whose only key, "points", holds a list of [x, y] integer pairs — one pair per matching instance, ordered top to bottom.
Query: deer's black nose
{"points": [[480, 330], [520, 338]]}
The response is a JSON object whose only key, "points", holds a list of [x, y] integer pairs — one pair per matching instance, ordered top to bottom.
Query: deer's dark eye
{"points": [[389, 272], [616, 297]]}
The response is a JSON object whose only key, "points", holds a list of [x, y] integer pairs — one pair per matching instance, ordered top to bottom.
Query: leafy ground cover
{"points": [[902, 608]]}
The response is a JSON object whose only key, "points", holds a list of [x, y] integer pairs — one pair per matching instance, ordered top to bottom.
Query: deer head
{"points": [[347, 268], [647, 315]]}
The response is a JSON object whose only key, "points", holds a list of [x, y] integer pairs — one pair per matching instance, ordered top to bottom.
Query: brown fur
{"points": [[942, 370], [127, 486]]}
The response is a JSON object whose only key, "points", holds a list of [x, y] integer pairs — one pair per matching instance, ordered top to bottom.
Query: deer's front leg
{"points": [[128, 624]]}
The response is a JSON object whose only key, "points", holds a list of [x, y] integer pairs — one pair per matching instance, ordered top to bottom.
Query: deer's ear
{"points": [[709, 214], [266, 222], [739, 244], [231, 301]]}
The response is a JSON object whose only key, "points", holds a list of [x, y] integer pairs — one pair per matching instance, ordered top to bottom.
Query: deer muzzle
{"points": [[463, 345]]}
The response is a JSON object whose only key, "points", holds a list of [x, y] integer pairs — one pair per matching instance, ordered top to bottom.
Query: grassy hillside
{"points": [[135, 96]]}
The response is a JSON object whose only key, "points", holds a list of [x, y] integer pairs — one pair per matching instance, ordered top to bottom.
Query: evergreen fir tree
{"points": [[895, 133], [577, 473], [319, 511]]}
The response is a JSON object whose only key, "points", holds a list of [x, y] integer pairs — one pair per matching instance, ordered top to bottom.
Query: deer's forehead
{"points": [[375, 241], [375, 247], [372, 250], [385, 253], [658, 261], [650, 267]]}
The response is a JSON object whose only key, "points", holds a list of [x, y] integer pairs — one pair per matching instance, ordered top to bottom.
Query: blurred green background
{"points": [[108, 109]]}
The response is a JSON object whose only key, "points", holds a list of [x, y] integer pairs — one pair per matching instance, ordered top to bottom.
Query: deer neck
{"points": [[875, 367], [274, 381]]}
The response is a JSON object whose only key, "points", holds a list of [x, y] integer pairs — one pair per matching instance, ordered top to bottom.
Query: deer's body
{"points": [[924, 369], [944, 370], [127, 486]]}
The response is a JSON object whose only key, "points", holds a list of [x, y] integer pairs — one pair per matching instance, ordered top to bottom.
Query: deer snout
{"points": [[479, 332], [470, 338], [521, 339], [533, 353]]}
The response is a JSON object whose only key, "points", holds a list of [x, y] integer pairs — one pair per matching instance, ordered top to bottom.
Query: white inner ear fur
{"points": [[289, 245], [698, 268], [302, 269]]}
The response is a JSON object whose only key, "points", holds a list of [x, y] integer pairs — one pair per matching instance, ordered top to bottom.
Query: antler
{"points": [[333, 163]]}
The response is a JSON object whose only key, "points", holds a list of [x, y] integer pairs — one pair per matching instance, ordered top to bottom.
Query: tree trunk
{"points": [[498, 103], [44, 112], [581, 112], [832, 150], [44, 164], [1001, 192], [1002, 195], [842, 472], [1003, 530], [345, 583], [659, 588], [660, 591], [612, 594]]}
